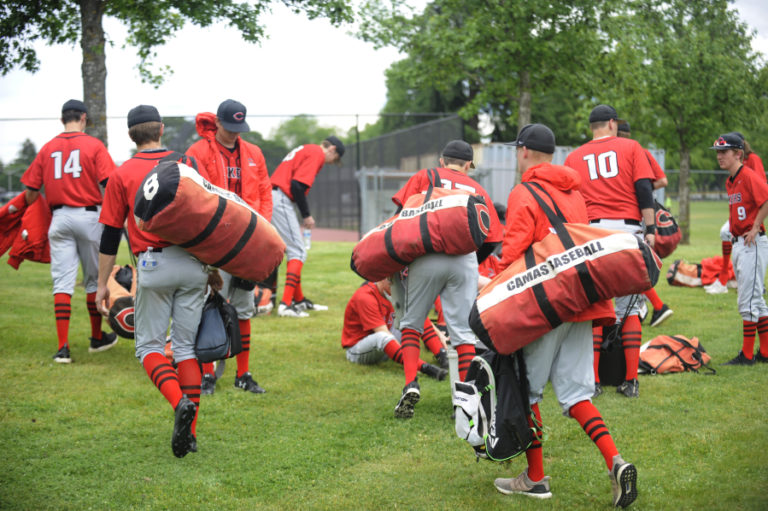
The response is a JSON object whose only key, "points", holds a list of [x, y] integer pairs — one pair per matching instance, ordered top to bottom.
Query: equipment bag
{"points": [[445, 221], [215, 225], [668, 233], [681, 273], [559, 277], [122, 293], [218, 336], [674, 354], [612, 367], [492, 407]]}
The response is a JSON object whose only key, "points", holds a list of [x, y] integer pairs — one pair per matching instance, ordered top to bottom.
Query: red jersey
{"points": [[231, 159], [754, 162], [302, 164], [70, 167], [609, 168], [658, 172], [452, 179], [746, 193], [120, 196], [490, 267], [366, 310]]}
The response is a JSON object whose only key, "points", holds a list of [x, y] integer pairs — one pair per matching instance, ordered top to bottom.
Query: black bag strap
{"points": [[182, 158], [433, 176], [696, 350]]}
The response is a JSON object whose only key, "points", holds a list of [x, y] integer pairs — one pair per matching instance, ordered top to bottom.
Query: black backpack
{"points": [[218, 336]]}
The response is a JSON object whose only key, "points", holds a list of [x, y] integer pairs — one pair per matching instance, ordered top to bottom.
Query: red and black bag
{"points": [[175, 203], [444, 221], [668, 233], [681, 273], [558, 278], [122, 294], [674, 354]]}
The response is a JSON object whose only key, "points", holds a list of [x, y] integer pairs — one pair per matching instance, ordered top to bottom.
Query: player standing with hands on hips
{"points": [[70, 168], [291, 183], [617, 185], [748, 207]]}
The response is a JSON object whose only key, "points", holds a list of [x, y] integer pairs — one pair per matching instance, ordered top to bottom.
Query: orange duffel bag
{"points": [[175, 203], [454, 222], [558, 278], [674, 354]]}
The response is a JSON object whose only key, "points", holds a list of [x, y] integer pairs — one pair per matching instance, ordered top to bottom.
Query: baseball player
{"points": [[754, 163], [236, 165], [71, 167], [291, 183], [617, 184], [748, 207], [453, 278], [171, 283], [661, 311], [368, 336], [562, 356]]}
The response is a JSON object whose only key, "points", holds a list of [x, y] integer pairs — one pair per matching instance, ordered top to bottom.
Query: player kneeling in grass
{"points": [[748, 207], [368, 336], [563, 355]]}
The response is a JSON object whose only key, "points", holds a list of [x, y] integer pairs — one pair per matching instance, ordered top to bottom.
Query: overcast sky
{"points": [[304, 67]]}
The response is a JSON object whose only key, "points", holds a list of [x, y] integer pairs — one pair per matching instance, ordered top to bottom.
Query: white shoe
{"points": [[716, 288], [307, 305], [263, 310], [290, 311]]}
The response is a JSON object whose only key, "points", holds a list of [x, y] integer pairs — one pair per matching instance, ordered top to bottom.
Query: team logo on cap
{"points": [[238, 116], [721, 141]]}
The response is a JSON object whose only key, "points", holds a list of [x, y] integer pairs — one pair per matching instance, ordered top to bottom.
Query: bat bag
{"points": [[175, 203], [454, 222], [668, 233], [558, 278], [122, 293], [218, 336]]}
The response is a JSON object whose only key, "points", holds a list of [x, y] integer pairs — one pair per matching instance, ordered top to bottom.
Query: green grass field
{"points": [[96, 434]]}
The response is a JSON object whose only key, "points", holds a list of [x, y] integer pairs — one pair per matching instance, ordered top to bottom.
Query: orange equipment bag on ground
{"points": [[175, 203], [454, 222], [668, 233], [685, 274], [559, 277], [122, 293], [673, 354]]}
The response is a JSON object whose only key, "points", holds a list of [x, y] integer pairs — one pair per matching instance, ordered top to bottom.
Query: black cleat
{"points": [[660, 315], [107, 341], [62, 356], [442, 358], [740, 360], [435, 372], [246, 383], [208, 384], [630, 388], [411, 396], [183, 441]]}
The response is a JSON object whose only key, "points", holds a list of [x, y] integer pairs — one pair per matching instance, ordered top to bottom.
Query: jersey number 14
{"points": [[71, 166]]}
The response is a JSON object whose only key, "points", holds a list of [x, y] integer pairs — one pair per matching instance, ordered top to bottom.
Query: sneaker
{"points": [[716, 288], [307, 305], [263, 310], [290, 311], [643, 312], [660, 315], [107, 341], [62, 356], [442, 358], [760, 358], [740, 360], [435, 372], [246, 383], [208, 385], [630, 388], [598, 389], [411, 396], [183, 440], [623, 482], [524, 486]]}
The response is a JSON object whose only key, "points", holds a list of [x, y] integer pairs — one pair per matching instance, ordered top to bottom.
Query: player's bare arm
{"points": [[308, 222], [749, 238], [106, 263]]}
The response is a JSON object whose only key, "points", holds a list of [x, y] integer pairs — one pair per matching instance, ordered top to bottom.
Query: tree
{"points": [[150, 24], [686, 68], [302, 129], [16, 168]]}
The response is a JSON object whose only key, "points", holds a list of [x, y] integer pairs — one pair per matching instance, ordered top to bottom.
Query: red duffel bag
{"points": [[175, 203], [454, 222], [668, 233], [558, 278]]}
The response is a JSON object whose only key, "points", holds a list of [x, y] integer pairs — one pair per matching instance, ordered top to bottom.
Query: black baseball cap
{"points": [[74, 104], [143, 113], [603, 113], [231, 115], [624, 126], [537, 137], [728, 141], [336, 143], [460, 150]]}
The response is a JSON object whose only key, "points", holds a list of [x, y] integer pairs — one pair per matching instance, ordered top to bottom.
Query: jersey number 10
{"points": [[72, 165], [602, 165]]}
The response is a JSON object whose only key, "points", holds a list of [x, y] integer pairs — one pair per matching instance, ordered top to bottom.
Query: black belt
{"points": [[275, 187], [87, 208], [627, 221], [736, 238], [153, 250]]}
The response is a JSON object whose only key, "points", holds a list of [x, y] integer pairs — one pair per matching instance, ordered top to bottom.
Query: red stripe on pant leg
{"points": [[62, 310], [93, 315], [631, 337], [245, 338], [748, 346], [410, 347], [466, 353], [164, 376], [189, 383], [588, 416]]}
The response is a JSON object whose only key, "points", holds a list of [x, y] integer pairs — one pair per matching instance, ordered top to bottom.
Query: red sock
{"points": [[726, 246], [292, 280], [654, 298], [62, 310], [93, 314], [762, 331], [631, 337], [245, 338], [430, 338], [597, 341], [748, 347], [410, 348], [394, 351], [466, 353], [208, 368], [163, 376], [189, 382], [592, 423], [534, 454]]}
